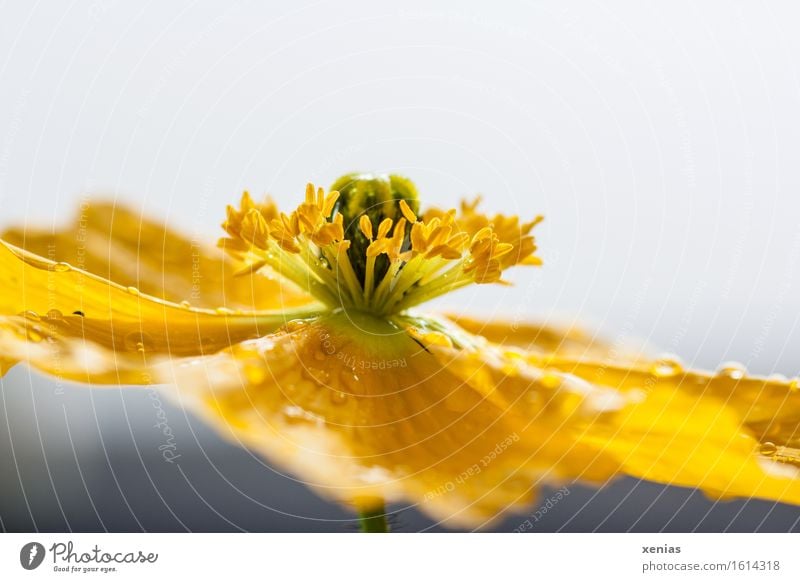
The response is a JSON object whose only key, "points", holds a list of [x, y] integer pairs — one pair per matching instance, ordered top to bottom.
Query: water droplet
{"points": [[62, 267], [133, 290], [186, 304], [225, 311], [54, 314], [137, 341], [667, 367], [732, 370], [318, 375], [350, 380], [550, 380], [338, 398], [295, 414], [768, 449]]}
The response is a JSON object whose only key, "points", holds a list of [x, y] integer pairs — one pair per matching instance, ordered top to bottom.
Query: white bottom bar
{"points": [[408, 557]]}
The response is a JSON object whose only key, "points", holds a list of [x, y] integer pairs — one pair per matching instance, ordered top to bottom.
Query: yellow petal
{"points": [[121, 245], [80, 326], [546, 338], [361, 408], [417, 410], [727, 434]]}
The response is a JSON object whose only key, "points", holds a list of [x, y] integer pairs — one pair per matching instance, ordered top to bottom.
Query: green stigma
{"points": [[378, 197]]}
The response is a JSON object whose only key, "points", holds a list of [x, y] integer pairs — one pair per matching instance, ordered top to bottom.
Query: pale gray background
{"points": [[661, 140]]}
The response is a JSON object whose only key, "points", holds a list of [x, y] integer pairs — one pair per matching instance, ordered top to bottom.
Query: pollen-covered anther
{"points": [[407, 213], [314, 217], [246, 225], [365, 225], [254, 229], [284, 232], [328, 232], [438, 238], [381, 242], [394, 248], [486, 252]]}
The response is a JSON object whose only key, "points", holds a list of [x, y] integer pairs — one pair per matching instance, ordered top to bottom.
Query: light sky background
{"points": [[660, 140]]}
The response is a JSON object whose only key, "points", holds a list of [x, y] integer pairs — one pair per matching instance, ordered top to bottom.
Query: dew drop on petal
{"points": [[62, 267], [133, 290], [186, 304], [54, 314], [137, 341], [667, 366], [732, 370], [318, 375], [351, 381], [338, 398], [294, 414]]}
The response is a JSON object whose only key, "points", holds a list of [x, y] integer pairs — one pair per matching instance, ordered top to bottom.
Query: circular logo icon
{"points": [[31, 555]]}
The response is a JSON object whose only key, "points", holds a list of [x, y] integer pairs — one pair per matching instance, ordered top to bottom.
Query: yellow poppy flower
{"points": [[300, 337]]}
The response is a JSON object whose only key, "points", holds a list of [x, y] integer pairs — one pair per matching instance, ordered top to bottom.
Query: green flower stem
{"points": [[373, 520]]}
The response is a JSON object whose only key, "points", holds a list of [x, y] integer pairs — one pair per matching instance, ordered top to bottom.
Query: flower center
{"points": [[375, 197], [362, 246]]}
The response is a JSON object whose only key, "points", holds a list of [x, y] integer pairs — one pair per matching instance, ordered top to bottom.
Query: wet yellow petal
{"points": [[121, 245], [80, 326], [541, 337], [393, 405], [363, 409], [417, 410], [727, 434]]}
